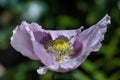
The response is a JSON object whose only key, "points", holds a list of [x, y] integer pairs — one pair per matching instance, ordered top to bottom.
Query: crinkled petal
{"points": [[35, 27], [67, 33], [40, 34], [91, 37], [21, 41], [26, 41], [39, 49], [46, 58], [63, 67]]}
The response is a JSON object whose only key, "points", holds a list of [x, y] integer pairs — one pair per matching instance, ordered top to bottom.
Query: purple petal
{"points": [[35, 27], [67, 33], [40, 34], [42, 37], [91, 37], [21, 41], [26, 41], [39, 49], [46, 58], [63, 67], [42, 70]]}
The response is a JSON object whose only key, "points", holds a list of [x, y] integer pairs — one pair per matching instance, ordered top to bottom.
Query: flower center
{"points": [[60, 46], [62, 49]]}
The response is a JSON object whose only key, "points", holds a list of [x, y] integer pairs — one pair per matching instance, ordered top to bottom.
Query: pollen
{"points": [[61, 46], [62, 49]]}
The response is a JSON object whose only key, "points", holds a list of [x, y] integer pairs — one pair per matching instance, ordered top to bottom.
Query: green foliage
{"points": [[63, 14], [22, 71]]}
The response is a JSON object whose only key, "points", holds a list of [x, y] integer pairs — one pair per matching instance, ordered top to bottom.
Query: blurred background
{"points": [[60, 14]]}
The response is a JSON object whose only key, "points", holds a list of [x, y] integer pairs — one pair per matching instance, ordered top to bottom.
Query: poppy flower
{"points": [[58, 50]]}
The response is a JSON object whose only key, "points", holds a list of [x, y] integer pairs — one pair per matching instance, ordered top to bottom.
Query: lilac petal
{"points": [[35, 27], [67, 33], [40, 34], [42, 37], [91, 37], [21, 41], [25, 41], [39, 49], [46, 58], [63, 67], [42, 70]]}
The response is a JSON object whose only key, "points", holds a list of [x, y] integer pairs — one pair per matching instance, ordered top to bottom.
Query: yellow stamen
{"points": [[60, 46], [61, 49]]}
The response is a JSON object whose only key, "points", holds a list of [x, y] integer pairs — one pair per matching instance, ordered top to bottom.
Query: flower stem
{"points": [[53, 76]]}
